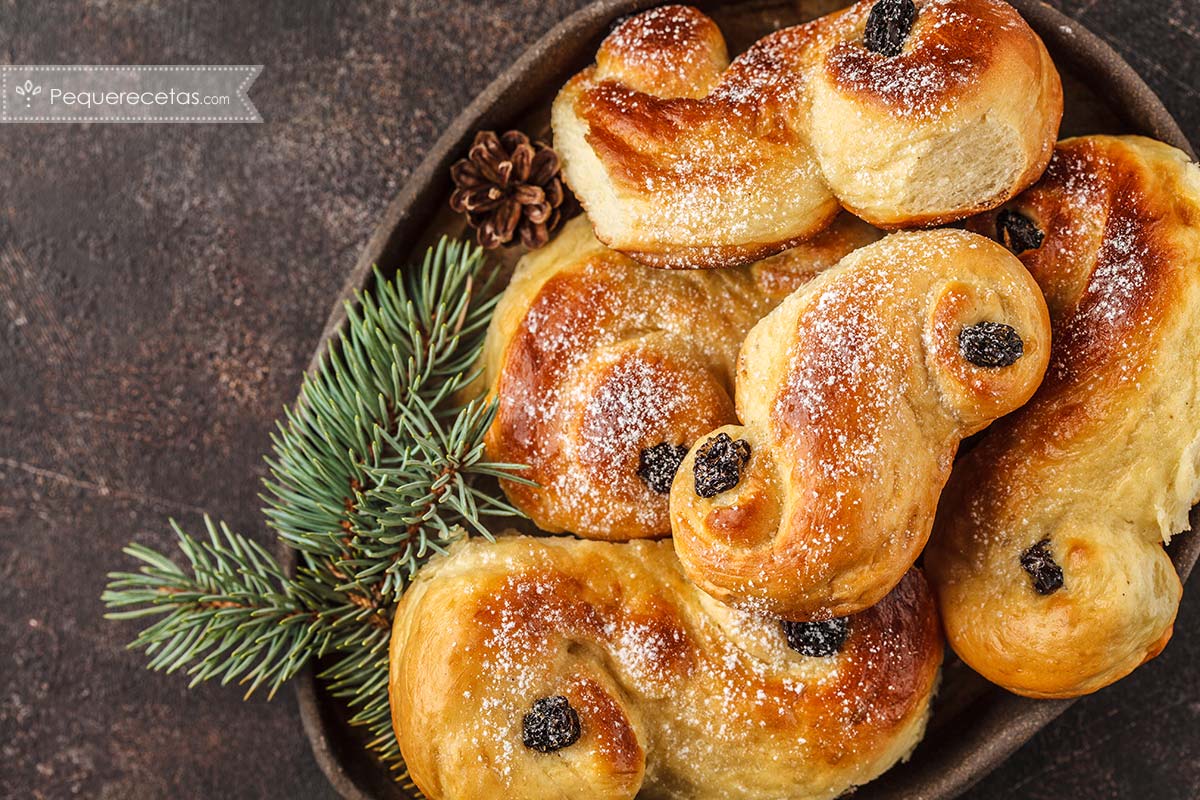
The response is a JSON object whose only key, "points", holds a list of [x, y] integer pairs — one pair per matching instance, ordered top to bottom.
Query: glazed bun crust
{"points": [[960, 121], [686, 160], [692, 165], [595, 359], [853, 396], [1103, 464], [677, 696]]}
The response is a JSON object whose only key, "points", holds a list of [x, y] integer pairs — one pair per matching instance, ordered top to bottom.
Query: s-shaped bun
{"points": [[905, 114], [606, 371], [853, 396], [1048, 553], [552, 667]]}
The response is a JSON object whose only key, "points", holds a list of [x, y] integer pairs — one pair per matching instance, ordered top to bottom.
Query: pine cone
{"points": [[510, 189]]}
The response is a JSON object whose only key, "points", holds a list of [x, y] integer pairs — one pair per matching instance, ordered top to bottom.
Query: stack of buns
{"points": [[905, 117], [731, 350]]}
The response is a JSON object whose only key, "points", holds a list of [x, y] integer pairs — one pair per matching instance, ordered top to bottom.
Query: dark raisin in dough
{"points": [[888, 25], [1018, 232], [991, 344], [719, 463], [657, 465], [1039, 563], [823, 638], [551, 725]]}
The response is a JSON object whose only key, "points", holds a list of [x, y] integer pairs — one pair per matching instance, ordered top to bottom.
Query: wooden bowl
{"points": [[975, 725]]}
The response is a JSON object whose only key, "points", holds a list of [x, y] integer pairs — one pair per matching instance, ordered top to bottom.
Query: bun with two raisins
{"points": [[906, 114], [853, 396], [1048, 556], [529, 668]]}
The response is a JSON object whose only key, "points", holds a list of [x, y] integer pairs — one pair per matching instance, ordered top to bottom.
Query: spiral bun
{"points": [[960, 120], [683, 159], [606, 371], [853, 396], [1048, 552], [535, 668]]}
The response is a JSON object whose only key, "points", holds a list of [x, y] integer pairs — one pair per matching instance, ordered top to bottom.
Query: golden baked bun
{"points": [[909, 115], [960, 120], [682, 160], [606, 371], [853, 396], [1047, 555], [558, 668]]}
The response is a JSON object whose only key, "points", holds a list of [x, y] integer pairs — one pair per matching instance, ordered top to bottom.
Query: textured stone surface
{"points": [[161, 289]]}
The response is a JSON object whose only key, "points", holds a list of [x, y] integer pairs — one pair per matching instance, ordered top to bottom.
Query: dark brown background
{"points": [[161, 289]]}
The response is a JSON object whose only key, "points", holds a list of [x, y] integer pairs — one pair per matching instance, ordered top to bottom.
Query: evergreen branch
{"points": [[375, 466], [375, 469], [235, 615], [360, 678]]}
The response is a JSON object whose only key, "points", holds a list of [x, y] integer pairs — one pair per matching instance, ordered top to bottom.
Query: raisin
{"points": [[888, 25], [1018, 232], [990, 344], [719, 463], [657, 465], [1039, 563], [823, 638], [551, 725]]}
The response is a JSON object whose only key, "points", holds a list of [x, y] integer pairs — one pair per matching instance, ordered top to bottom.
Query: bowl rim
{"points": [[1006, 724]]}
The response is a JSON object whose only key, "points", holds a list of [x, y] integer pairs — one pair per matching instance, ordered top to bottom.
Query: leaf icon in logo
{"points": [[28, 91]]}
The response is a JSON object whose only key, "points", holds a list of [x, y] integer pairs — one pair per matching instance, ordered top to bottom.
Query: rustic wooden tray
{"points": [[975, 725]]}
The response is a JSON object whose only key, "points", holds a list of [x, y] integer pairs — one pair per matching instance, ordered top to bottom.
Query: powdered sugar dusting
{"points": [[667, 48], [947, 51], [695, 163], [710, 170], [1096, 220], [605, 363], [856, 372], [700, 688]]}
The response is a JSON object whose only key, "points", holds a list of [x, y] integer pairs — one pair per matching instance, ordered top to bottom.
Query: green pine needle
{"points": [[375, 470], [233, 616]]}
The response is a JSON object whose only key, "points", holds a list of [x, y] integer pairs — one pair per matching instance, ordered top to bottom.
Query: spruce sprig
{"points": [[375, 469], [234, 614]]}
